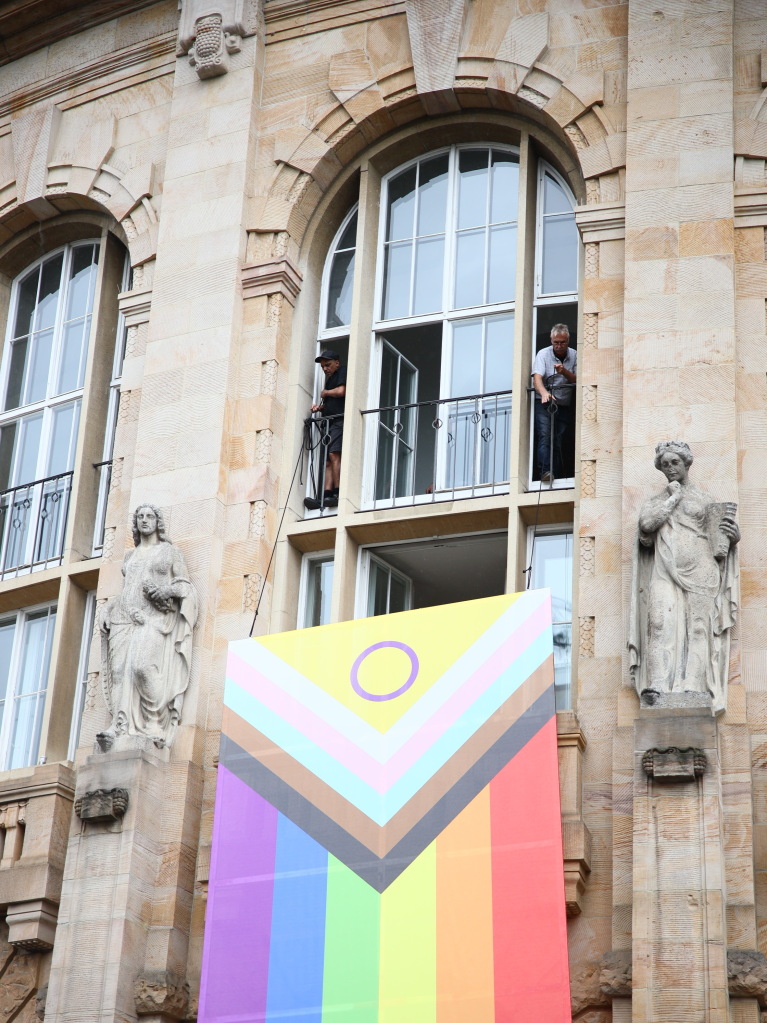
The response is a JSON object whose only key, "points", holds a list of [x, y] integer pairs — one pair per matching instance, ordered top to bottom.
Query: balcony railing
{"points": [[317, 437], [439, 450], [104, 469], [33, 521]]}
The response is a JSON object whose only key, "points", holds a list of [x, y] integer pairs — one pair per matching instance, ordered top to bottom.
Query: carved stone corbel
{"points": [[211, 30], [674, 763], [102, 805], [161, 993]]}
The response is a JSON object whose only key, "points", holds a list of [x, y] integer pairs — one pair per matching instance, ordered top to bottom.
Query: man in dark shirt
{"points": [[331, 405]]}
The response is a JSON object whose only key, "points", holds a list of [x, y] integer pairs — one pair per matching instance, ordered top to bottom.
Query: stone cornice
{"points": [[751, 207], [601, 222], [276, 276], [135, 305], [45, 780]]}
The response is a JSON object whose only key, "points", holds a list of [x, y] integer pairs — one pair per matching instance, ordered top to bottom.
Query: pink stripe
{"points": [[348, 753]]}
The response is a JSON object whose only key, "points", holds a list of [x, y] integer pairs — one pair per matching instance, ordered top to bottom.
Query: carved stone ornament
{"points": [[210, 31], [684, 593], [146, 649], [674, 764], [105, 805], [747, 974], [161, 993]]}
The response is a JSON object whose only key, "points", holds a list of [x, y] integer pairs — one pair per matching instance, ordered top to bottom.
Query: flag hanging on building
{"points": [[387, 838]]}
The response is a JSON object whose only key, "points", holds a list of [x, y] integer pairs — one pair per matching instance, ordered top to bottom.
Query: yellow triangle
{"points": [[437, 635]]}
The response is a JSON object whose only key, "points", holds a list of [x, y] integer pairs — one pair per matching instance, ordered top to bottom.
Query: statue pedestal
{"points": [[119, 918], [679, 960]]}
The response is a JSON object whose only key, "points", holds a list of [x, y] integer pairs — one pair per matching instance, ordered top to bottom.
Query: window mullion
{"points": [[58, 322], [10, 693]]}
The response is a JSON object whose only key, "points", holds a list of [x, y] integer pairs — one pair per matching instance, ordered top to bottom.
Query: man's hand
{"points": [[558, 367], [546, 397], [316, 408]]}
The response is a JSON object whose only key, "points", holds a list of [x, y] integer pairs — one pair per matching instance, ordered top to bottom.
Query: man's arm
{"points": [[540, 388], [334, 392]]}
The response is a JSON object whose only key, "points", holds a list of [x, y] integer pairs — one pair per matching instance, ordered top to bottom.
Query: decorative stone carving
{"points": [[211, 30], [273, 277], [684, 595], [147, 639], [674, 764], [102, 805], [12, 821], [32, 925], [747, 974], [615, 975], [161, 992], [40, 999]]}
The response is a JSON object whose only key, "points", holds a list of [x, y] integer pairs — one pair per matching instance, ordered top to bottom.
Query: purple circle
{"points": [[378, 697]]}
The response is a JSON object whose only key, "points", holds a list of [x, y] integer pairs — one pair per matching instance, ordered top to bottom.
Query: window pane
{"points": [[472, 188], [505, 188], [432, 195], [554, 198], [401, 205], [348, 239], [560, 255], [503, 264], [470, 269], [397, 280], [81, 281], [340, 290], [49, 293], [427, 293], [27, 297], [19, 350], [499, 353], [467, 358], [389, 374], [36, 386], [7, 438], [29, 449], [61, 456], [552, 568], [378, 589], [318, 592], [397, 595], [7, 630], [562, 662], [32, 682]]}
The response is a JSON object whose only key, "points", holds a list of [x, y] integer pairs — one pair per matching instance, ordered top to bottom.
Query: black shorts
{"points": [[333, 432]]}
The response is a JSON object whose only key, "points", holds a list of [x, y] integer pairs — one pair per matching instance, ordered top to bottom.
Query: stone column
{"points": [[679, 928]]}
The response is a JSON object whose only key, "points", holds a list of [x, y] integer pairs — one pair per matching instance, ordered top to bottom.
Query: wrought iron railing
{"points": [[317, 437], [438, 450], [104, 469], [33, 521]]}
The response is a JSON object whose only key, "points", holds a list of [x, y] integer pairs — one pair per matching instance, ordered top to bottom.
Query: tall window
{"points": [[451, 270], [41, 384], [552, 567], [316, 590], [26, 638]]}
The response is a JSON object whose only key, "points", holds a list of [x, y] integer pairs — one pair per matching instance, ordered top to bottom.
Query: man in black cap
{"points": [[333, 400]]}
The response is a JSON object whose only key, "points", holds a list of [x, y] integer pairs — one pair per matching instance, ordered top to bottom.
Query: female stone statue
{"points": [[684, 591], [147, 636]]}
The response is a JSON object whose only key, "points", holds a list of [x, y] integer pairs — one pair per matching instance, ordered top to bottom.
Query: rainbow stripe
{"points": [[458, 916]]}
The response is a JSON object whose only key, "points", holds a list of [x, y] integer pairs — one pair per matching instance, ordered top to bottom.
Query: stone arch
{"points": [[445, 63], [51, 166]]}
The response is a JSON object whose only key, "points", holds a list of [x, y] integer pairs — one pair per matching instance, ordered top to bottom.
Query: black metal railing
{"points": [[318, 433], [560, 447], [438, 450], [104, 469], [33, 521]]}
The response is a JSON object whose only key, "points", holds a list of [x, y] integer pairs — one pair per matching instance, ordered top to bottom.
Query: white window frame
{"points": [[328, 333], [557, 529], [365, 558], [307, 562], [21, 617], [78, 708]]}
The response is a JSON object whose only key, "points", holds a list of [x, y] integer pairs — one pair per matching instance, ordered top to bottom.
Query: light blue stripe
{"points": [[382, 807], [297, 950]]}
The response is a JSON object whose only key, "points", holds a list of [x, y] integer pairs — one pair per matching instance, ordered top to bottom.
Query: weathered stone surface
{"points": [[674, 764], [102, 805], [747, 974], [615, 976], [161, 992]]}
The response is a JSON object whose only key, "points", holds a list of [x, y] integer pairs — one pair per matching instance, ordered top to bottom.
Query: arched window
{"points": [[475, 261]]}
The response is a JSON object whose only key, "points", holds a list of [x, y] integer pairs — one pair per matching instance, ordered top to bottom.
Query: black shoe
{"points": [[331, 499], [311, 503]]}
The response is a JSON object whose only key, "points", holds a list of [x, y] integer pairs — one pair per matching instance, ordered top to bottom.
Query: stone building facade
{"points": [[188, 201]]}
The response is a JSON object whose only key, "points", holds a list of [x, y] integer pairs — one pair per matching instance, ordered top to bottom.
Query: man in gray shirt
{"points": [[554, 371]]}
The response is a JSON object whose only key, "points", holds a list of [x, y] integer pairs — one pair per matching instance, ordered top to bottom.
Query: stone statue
{"points": [[684, 594], [147, 638]]}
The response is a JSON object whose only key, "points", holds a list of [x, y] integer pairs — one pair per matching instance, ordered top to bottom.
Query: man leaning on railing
{"points": [[554, 373], [331, 407]]}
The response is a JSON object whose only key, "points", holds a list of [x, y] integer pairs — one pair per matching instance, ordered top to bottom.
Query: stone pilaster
{"points": [[679, 961]]}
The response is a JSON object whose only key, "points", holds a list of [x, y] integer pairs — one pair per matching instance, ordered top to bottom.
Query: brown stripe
{"points": [[381, 839]]}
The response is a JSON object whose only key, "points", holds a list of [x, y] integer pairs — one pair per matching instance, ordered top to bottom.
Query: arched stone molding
{"points": [[438, 62], [52, 163]]}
